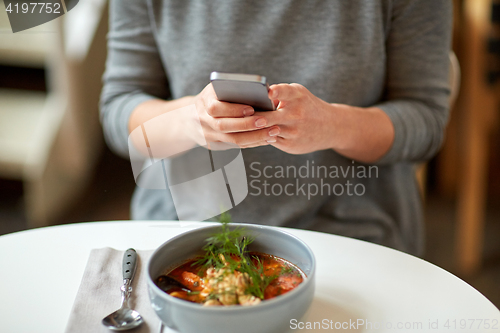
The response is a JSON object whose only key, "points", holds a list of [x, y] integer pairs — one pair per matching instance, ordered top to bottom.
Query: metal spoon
{"points": [[125, 318]]}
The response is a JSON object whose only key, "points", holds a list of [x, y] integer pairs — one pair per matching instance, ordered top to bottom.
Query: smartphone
{"points": [[246, 89]]}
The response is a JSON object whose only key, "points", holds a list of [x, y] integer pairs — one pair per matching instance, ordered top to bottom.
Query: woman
{"points": [[359, 84]]}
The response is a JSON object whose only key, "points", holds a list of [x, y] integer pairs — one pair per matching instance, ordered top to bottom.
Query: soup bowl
{"points": [[272, 315]]}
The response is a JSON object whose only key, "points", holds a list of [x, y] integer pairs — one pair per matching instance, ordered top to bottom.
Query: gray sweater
{"points": [[392, 54]]}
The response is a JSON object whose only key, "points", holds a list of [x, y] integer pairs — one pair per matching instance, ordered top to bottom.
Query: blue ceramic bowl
{"points": [[272, 315]]}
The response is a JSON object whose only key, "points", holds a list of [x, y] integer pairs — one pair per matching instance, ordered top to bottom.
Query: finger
{"points": [[285, 92], [276, 103], [218, 109], [277, 117], [233, 125], [288, 132], [251, 137], [256, 144], [283, 144]]}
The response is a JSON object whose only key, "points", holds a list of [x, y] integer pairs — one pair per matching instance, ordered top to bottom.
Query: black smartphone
{"points": [[246, 89]]}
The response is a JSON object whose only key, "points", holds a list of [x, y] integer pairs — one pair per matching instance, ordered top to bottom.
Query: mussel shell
{"points": [[168, 284]]}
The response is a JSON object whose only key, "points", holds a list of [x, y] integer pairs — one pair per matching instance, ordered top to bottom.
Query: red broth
{"points": [[192, 276]]}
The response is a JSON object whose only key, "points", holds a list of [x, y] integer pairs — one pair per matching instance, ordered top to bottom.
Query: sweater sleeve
{"points": [[134, 71], [417, 87]]}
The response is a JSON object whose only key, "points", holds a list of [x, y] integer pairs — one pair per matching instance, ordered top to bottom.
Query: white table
{"points": [[357, 282]]}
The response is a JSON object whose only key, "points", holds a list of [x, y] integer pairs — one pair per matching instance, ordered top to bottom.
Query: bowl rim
{"points": [[267, 303]]}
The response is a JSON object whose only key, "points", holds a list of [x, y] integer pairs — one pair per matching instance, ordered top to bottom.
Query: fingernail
{"points": [[274, 94], [248, 111], [261, 122], [275, 131], [271, 141]]}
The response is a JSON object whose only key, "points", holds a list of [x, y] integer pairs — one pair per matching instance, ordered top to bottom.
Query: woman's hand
{"points": [[306, 122], [232, 123], [301, 124], [179, 131]]}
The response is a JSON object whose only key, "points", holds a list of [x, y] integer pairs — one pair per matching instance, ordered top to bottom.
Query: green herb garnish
{"points": [[228, 243], [229, 248], [287, 270], [259, 280]]}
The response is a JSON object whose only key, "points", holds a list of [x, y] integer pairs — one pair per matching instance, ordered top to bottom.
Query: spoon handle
{"points": [[129, 264]]}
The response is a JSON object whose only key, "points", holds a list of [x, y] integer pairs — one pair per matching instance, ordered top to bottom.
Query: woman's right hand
{"points": [[232, 123], [171, 130]]}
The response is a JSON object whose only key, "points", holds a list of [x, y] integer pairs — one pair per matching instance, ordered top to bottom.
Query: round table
{"points": [[361, 287]]}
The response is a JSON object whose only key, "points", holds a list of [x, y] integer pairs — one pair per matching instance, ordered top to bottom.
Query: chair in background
{"points": [[479, 115], [54, 140], [463, 162]]}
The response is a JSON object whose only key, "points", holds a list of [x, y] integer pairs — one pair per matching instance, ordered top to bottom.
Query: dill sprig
{"points": [[229, 244], [229, 248], [259, 281]]}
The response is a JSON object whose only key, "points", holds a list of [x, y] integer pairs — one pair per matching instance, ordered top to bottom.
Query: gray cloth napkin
{"points": [[99, 293]]}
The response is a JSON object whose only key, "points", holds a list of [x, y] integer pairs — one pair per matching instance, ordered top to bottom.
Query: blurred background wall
{"points": [[55, 168]]}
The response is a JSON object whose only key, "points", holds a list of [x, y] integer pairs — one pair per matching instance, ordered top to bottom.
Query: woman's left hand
{"points": [[306, 122]]}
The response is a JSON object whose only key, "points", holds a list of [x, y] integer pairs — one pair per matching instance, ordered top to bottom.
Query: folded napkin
{"points": [[99, 293]]}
